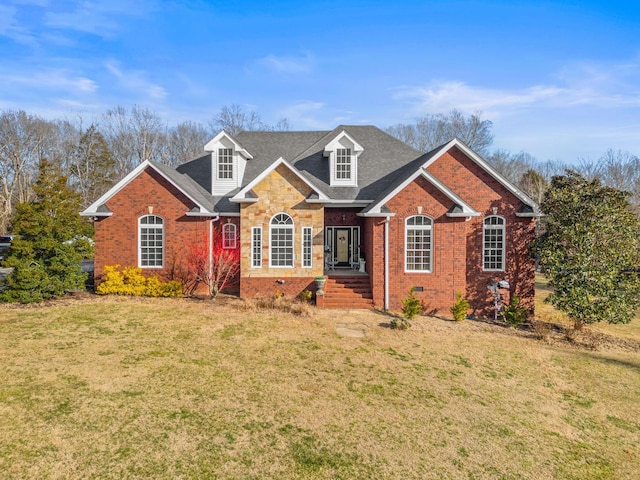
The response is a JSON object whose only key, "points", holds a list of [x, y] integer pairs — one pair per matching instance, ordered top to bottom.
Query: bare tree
{"points": [[234, 119], [282, 125], [149, 131], [432, 131], [133, 137], [120, 138], [23, 142], [185, 142], [61, 143], [512, 165], [621, 170], [534, 185]]}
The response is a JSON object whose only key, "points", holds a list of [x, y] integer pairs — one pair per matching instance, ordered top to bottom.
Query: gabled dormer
{"points": [[343, 152], [228, 163]]}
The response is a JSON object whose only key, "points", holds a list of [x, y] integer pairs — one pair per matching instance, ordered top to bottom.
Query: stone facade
{"points": [[281, 191]]}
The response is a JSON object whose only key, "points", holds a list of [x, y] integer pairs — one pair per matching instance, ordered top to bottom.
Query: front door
{"points": [[343, 245]]}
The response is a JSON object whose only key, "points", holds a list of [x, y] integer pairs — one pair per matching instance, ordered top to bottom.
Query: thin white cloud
{"points": [[99, 18], [11, 28], [288, 65], [52, 80], [135, 80], [585, 84], [304, 114], [313, 115]]}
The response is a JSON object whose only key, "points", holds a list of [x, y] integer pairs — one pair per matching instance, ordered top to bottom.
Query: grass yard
{"points": [[141, 388]]}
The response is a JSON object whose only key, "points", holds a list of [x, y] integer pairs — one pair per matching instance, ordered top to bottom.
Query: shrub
{"points": [[131, 282], [305, 296], [411, 307], [459, 309], [514, 314], [400, 323], [542, 330]]}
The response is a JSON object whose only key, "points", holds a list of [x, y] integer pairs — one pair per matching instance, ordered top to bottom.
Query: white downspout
{"points": [[214, 219], [386, 264]]}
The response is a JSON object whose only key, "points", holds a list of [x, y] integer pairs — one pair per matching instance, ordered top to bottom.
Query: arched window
{"points": [[229, 238], [150, 241], [493, 242], [281, 244], [418, 244]]}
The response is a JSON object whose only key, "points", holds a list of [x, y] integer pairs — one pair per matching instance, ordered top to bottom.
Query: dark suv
{"points": [[5, 243]]}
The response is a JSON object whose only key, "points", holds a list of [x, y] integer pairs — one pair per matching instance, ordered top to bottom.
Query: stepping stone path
{"points": [[351, 330]]}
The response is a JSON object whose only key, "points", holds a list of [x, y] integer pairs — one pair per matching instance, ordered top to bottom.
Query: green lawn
{"points": [[142, 388]]}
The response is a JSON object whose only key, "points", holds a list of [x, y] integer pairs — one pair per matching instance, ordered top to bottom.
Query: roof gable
{"points": [[224, 138], [434, 155], [246, 194], [98, 208], [459, 208]]}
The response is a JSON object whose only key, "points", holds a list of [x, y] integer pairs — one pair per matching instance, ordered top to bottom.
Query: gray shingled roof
{"points": [[384, 164], [377, 165], [188, 184]]}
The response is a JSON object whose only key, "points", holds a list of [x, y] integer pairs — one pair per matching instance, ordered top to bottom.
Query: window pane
{"points": [[225, 163], [343, 164], [418, 243], [256, 247], [282, 247], [306, 247], [493, 249]]}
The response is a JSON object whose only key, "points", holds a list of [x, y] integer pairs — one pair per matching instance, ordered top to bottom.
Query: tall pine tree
{"points": [[51, 241]]}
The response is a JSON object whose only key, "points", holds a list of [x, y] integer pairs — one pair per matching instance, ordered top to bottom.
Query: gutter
{"points": [[386, 263]]}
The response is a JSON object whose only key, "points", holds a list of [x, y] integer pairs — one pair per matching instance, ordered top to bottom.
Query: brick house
{"points": [[373, 215]]}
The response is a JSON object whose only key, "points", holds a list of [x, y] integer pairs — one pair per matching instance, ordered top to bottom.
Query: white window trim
{"points": [[233, 164], [352, 181], [140, 227], [418, 227], [307, 231], [234, 238], [293, 241], [256, 250], [503, 253]]}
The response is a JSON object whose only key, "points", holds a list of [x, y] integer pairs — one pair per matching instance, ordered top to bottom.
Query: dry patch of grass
{"points": [[555, 326], [166, 388]]}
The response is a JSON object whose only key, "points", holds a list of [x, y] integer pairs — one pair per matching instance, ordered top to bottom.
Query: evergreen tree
{"points": [[93, 169], [51, 240], [590, 250]]}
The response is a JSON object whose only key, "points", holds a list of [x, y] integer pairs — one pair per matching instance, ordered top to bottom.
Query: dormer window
{"points": [[343, 152], [225, 163], [228, 163], [343, 164]]}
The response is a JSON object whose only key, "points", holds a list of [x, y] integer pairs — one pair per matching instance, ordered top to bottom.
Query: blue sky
{"points": [[559, 79]]}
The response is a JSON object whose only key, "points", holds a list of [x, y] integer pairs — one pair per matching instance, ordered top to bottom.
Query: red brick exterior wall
{"points": [[117, 236], [457, 242]]}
